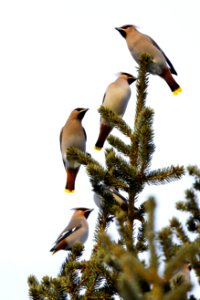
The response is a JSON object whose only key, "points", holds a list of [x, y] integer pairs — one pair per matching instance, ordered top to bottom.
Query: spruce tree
{"points": [[141, 264]]}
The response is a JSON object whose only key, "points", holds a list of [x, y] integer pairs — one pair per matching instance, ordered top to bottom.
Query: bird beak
{"points": [[121, 31], [84, 110]]}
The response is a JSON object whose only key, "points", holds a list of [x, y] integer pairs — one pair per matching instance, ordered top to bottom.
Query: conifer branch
{"points": [[142, 84], [115, 120], [144, 133], [119, 145], [81, 157], [120, 167], [194, 171], [165, 175], [191, 203], [191, 206], [130, 222], [180, 232], [150, 233], [166, 242], [141, 244], [186, 253], [126, 263], [91, 277], [179, 293]]}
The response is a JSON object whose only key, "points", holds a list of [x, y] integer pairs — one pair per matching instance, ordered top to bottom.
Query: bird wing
{"points": [[173, 71], [104, 96], [85, 134], [60, 139], [115, 191], [69, 229], [66, 234]]}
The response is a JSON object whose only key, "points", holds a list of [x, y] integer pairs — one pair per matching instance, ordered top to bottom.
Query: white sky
{"points": [[59, 55]]}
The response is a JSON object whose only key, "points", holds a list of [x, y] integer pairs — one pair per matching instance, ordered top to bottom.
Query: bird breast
{"points": [[117, 97], [73, 136], [77, 141]]}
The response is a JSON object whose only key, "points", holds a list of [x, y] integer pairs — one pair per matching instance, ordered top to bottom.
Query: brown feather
{"points": [[167, 76], [103, 134], [71, 177], [62, 245]]}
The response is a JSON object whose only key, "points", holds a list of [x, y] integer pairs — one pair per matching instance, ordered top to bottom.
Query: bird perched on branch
{"points": [[139, 43], [116, 99], [72, 135], [119, 199], [76, 231], [181, 275]]}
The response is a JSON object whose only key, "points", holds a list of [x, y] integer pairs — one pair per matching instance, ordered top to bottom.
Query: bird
{"points": [[139, 43], [116, 98], [72, 135], [120, 200], [76, 231], [181, 275]]}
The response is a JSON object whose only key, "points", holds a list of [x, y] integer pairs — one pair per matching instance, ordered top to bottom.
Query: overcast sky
{"points": [[59, 55]]}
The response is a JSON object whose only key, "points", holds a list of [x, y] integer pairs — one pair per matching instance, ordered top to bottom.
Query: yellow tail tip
{"points": [[179, 90], [97, 148], [69, 191], [53, 252]]}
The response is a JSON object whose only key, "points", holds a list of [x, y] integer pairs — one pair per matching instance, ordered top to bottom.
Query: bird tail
{"points": [[173, 85], [103, 134], [71, 177]]}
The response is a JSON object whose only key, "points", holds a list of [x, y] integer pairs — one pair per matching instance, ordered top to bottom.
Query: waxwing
{"points": [[139, 43], [116, 99], [72, 135], [119, 199], [76, 231], [181, 275]]}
